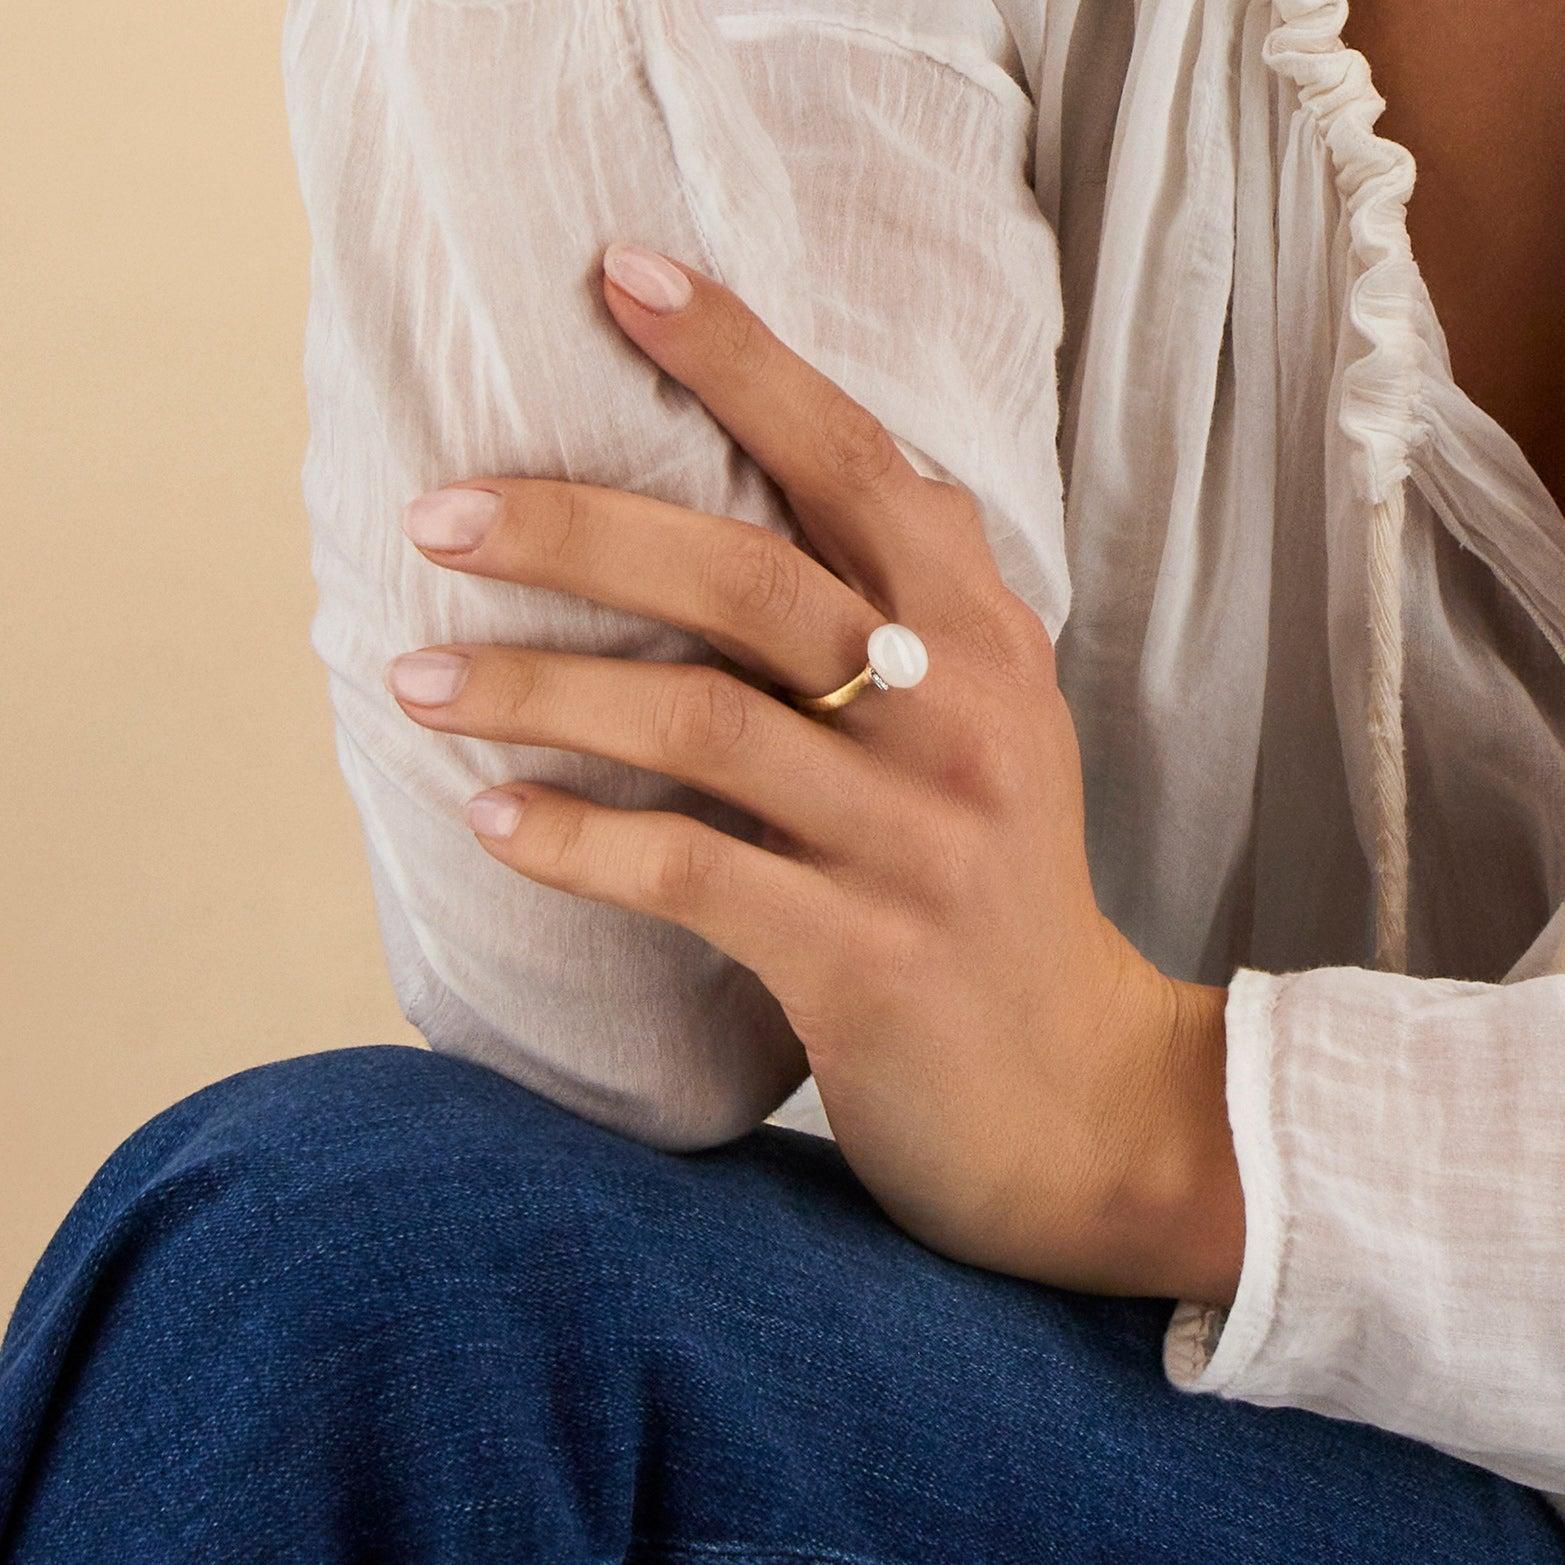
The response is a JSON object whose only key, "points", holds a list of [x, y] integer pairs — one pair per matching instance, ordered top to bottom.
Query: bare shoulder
{"points": [[1477, 94]]}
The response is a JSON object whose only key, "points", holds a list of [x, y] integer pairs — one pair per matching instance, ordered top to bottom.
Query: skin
{"points": [[1477, 94], [1012, 1081], [1015, 1085]]}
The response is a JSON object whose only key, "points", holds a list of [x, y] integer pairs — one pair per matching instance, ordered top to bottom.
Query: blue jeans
{"points": [[380, 1305]]}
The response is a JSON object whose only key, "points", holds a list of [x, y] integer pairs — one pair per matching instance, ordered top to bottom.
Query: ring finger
{"points": [[698, 725]]}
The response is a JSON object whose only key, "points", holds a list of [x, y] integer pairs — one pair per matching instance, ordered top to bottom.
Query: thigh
{"points": [[383, 1305]]}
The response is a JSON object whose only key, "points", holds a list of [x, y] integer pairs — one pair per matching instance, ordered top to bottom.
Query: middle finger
{"points": [[749, 592]]}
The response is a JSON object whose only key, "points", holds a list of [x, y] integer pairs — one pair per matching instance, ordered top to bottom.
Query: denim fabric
{"points": [[382, 1305]]}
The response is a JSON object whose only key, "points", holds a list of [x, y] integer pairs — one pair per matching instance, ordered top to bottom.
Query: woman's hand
{"points": [[1016, 1086]]}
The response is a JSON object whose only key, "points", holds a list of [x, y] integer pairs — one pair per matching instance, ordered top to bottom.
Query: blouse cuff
{"points": [[1401, 1149]]}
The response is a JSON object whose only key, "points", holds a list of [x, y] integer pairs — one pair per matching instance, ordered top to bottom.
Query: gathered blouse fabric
{"points": [[1137, 273]]}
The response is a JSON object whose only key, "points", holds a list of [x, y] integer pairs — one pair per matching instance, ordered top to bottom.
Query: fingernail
{"points": [[649, 278], [451, 519], [427, 678], [493, 814]]}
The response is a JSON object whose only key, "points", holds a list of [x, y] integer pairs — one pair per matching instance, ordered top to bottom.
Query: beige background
{"points": [[183, 888]]}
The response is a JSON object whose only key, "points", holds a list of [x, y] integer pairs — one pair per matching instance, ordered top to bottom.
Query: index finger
{"points": [[860, 501]]}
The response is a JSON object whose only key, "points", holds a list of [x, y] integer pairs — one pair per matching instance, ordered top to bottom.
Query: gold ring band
{"points": [[897, 660], [833, 699]]}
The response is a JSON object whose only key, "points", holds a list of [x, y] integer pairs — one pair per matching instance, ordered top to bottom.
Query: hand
{"points": [[1015, 1085]]}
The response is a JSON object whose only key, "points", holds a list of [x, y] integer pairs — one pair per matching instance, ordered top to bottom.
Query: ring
{"points": [[895, 660]]}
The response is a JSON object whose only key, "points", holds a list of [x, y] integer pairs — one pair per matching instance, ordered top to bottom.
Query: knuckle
{"points": [[735, 333], [856, 447], [956, 499], [554, 526], [755, 575], [1019, 631], [999, 632], [516, 691], [699, 715], [989, 765], [557, 851], [677, 868]]}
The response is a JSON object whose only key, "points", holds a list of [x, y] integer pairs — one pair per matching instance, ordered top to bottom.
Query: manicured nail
{"points": [[649, 278], [454, 520], [427, 678], [493, 814]]}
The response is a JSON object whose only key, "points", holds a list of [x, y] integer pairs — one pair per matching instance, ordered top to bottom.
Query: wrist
{"points": [[1188, 1205], [1212, 1207]]}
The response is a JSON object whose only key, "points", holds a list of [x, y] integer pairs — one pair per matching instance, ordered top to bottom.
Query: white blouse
{"points": [[1139, 277]]}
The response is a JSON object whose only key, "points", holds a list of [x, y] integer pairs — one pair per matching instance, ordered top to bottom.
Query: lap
{"points": [[384, 1304]]}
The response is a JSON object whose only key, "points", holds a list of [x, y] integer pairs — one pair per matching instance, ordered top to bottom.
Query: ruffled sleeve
{"points": [[1398, 406]]}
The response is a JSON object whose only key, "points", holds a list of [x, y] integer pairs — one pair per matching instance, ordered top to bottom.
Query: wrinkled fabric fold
{"points": [[463, 165], [1138, 276], [1386, 302]]}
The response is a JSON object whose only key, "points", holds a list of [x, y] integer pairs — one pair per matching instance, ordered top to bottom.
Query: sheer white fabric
{"points": [[1309, 601]]}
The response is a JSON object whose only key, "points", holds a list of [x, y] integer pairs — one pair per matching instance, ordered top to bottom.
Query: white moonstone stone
{"points": [[898, 656]]}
